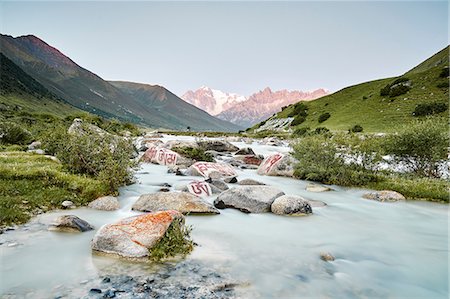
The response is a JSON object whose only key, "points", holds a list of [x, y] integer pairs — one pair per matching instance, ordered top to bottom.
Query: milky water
{"points": [[388, 250]]}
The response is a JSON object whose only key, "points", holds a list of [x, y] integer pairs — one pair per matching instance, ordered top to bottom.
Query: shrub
{"points": [[444, 73], [443, 85], [398, 90], [430, 108], [299, 109], [323, 117], [298, 120], [356, 129], [321, 130], [301, 132], [11, 133], [421, 146], [194, 153], [106, 157], [320, 160], [176, 241]]}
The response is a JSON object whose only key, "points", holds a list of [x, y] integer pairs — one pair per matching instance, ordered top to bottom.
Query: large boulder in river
{"points": [[217, 145], [245, 151], [163, 156], [277, 165], [211, 170], [250, 182], [385, 195], [248, 199], [183, 202], [105, 203], [291, 205], [70, 223], [135, 236]]}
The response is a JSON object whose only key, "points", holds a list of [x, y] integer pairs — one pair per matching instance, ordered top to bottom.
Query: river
{"points": [[382, 250]]}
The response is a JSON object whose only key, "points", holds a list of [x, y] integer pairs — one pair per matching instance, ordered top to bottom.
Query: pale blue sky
{"points": [[238, 47]]}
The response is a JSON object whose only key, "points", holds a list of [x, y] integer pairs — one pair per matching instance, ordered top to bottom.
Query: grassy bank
{"points": [[31, 183]]}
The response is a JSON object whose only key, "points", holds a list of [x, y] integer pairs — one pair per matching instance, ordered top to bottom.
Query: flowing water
{"points": [[382, 250]]}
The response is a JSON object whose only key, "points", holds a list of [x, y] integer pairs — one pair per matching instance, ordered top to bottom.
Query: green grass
{"points": [[363, 105], [197, 154], [29, 183], [414, 187]]}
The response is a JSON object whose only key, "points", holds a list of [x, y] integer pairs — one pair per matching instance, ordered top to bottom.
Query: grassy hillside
{"points": [[363, 105]]}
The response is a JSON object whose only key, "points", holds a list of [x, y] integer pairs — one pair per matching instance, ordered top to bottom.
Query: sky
{"points": [[238, 47]]}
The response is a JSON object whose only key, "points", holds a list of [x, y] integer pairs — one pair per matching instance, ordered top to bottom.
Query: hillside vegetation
{"points": [[381, 105]]}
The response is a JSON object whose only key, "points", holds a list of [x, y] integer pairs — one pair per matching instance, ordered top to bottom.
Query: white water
{"points": [[382, 250]]}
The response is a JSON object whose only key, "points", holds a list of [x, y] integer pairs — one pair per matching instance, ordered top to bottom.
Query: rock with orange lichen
{"points": [[134, 237]]}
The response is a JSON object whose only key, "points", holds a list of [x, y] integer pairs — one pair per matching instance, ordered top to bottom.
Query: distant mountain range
{"points": [[148, 105], [247, 111]]}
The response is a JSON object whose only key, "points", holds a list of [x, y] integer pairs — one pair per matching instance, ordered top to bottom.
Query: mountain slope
{"points": [[19, 91], [87, 91], [265, 103], [363, 104], [168, 108]]}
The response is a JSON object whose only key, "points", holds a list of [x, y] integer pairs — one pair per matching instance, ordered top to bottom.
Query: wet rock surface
{"points": [[317, 188], [385, 195], [105, 203], [291, 205], [70, 223], [185, 280]]}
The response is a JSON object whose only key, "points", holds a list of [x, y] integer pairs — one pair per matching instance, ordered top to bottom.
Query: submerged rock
{"points": [[277, 165], [250, 182], [317, 188], [385, 195], [248, 199], [183, 202], [105, 203], [291, 205], [70, 223], [134, 237], [327, 257]]}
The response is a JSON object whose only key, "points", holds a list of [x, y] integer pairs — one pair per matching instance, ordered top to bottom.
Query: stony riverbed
{"points": [[381, 250]]}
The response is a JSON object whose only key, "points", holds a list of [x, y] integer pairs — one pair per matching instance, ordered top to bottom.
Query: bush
{"points": [[444, 73], [443, 85], [398, 90], [299, 109], [429, 109], [323, 117], [298, 120], [356, 129], [321, 131], [301, 132], [11, 133], [421, 146], [194, 153], [105, 157], [320, 160]]}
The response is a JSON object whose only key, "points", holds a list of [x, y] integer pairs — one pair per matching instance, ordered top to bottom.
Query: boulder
{"points": [[78, 128], [177, 143], [35, 145], [217, 145], [37, 151], [245, 151], [161, 156], [277, 165], [211, 170], [230, 180], [250, 182], [219, 184], [317, 188], [200, 189], [385, 195], [248, 199], [183, 202], [105, 203], [316, 203], [67, 204], [291, 205], [70, 223], [134, 237], [326, 257]]}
